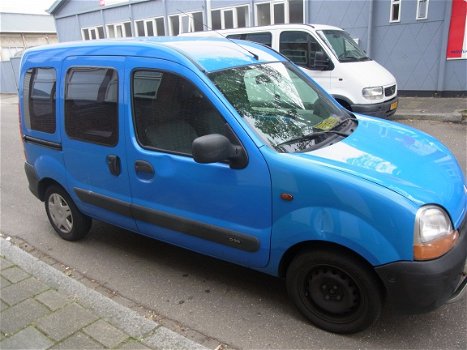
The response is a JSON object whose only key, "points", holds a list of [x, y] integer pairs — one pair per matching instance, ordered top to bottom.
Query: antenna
{"points": [[255, 56]]}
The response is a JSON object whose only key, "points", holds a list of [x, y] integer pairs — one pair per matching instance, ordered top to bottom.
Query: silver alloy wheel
{"points": [[60, 213]]}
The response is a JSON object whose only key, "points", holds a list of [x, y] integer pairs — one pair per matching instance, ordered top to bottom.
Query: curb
{"points": [[446, 117], [126, 319]]}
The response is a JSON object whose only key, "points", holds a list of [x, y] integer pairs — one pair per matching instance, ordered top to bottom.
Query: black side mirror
{"points": [[322, 61], [215, 148]]}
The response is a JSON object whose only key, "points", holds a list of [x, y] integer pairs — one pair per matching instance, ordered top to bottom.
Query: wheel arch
{"points": [[44, 184]]}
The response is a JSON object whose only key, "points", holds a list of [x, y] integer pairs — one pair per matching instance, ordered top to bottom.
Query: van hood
{"points": [[367, 73], [402, 159]]}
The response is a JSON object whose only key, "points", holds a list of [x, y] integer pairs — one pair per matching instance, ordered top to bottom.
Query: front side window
{"points": [[343, 46], [302, 49], [39, 87], [91, 105], [283, 108], [170, 112]]}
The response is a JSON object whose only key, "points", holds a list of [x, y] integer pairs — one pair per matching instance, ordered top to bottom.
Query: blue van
{"points": [[228, 149]]}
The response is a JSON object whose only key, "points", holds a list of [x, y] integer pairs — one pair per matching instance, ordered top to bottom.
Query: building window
{"points": [[422, 9], [279, 12], [395, 15], [231, 17], [186, 23], [150, 27], [119, 30], [93, 33], [39, 88], [91, 105]]}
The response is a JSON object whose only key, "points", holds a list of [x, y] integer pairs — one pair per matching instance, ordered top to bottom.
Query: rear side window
{"points": [[262, 38], [39, 99], [91, 105]]}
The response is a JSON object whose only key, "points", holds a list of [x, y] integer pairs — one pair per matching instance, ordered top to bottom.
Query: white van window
{"points": [[262, 38], [343, 46], [301, 48], [39, 87]]}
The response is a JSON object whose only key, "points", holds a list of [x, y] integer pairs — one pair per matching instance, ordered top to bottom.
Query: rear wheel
{"points": [[64, 216], [334, 290]]}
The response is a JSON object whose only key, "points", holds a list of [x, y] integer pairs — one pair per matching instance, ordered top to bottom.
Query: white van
{"points": [[331, 57]]}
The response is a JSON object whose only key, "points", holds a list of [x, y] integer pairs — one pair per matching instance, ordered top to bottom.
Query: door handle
{"points": [[113, 162], [142, 166]]}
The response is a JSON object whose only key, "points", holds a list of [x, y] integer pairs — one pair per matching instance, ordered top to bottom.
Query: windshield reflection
{"points": [[279, 104]]}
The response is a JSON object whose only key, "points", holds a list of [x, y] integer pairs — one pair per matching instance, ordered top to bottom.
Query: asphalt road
{"points": [[237, 306]]}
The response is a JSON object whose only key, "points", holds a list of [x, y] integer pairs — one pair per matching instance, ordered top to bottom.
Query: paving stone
{"points": [[5, 264], [15, 274], [4, 282], [22, 290], [52, 299], [3, 306], [20, 315], [64, 322], [105, 333], [28, 338], [164, 338], [78, 341], [133, 345]]}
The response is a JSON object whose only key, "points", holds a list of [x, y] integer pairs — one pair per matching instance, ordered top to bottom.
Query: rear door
{"points": [[94, 138], [209, 208]]}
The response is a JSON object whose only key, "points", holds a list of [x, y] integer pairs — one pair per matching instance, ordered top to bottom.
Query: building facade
{"points": [[408, 37]]}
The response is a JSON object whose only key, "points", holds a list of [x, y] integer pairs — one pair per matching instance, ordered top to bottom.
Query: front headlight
{"points": [[373, 93], [433, 233]]}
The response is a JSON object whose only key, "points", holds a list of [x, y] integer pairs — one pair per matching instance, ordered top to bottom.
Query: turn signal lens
{"points": [[435, 248]]}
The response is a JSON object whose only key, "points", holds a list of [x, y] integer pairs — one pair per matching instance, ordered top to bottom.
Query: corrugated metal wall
{"points": [[411, 49], [9, 73]]}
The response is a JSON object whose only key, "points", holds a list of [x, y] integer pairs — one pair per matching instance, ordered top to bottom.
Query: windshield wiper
{"points": [[311, 136]]}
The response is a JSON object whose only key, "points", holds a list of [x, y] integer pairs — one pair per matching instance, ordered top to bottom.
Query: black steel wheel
{"points": [[64, 216], [334, 290]]}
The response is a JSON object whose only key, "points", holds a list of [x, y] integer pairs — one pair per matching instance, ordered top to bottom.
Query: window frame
{"points": [[427, 5], [272, 8], [391, 11], [235, 12], [145, 22], [191, 23], [120, 25], [94, 30], [27, 100], [117, 102], [133, 114]]}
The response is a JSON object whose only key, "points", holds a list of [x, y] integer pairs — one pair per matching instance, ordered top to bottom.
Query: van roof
{"points": [[207, 54]]}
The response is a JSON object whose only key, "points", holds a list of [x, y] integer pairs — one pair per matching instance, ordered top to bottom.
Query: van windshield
{"points": [[343, 46], [286, 110]]}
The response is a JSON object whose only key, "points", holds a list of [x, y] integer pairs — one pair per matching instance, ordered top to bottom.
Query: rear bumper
{"points": [[382, 110], [33, 180], [422, 286]]}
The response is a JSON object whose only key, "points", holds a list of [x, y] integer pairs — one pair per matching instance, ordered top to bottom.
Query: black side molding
{"points": [[54, 145], [115, 205], [176, 223]]}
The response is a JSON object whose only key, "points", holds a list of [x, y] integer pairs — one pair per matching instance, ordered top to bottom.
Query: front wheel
{"points": [[64, 216], [334, 290]]}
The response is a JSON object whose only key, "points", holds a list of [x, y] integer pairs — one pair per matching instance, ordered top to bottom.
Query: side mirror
{"points": [[322, 61], [215, 148]]}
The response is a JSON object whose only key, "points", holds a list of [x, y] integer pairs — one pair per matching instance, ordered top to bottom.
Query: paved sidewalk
{"points": [[42, 308]]}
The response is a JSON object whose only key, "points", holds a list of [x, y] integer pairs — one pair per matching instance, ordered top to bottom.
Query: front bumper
{"points": [[382, 110], [422, 286]]}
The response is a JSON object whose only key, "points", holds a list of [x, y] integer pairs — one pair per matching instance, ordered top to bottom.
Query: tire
{"points": [[64, 216], [334, 290]]}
